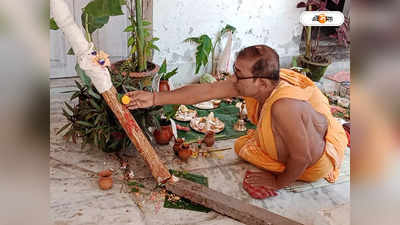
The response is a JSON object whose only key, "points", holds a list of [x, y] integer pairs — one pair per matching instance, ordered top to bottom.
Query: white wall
{"points": [[271, 22]]}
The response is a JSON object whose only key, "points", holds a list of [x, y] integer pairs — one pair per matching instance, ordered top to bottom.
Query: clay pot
{"points": [[152, 69], [164, 86], [164, 134], [209, 139], [177, 145], [185, 152], [105, 180]]}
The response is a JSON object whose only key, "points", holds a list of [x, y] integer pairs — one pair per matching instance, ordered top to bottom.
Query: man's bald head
{"points": [[263, 61]]}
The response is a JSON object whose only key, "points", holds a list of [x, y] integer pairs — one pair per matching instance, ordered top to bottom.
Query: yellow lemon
{"points": [[125, 100]]}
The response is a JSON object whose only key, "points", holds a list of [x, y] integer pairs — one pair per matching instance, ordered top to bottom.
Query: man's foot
{"points": [[258, 184]]}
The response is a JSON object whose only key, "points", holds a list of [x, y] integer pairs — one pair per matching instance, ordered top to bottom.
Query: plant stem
{"points": [[88, 35], [140, 36], [308, 38]]}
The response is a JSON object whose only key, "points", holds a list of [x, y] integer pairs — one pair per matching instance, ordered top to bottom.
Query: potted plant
{"points": [[205, 47], [313, 61], [137, 65], [165, 76]]}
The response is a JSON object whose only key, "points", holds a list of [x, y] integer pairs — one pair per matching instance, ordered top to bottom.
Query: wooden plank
{"points": [[135, 134], [226, 205]]}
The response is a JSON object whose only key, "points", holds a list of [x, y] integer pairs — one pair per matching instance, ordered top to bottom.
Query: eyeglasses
{"points": [[244, 78]]}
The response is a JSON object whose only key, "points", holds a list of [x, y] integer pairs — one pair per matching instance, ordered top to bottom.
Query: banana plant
{"points": [[205, 47]]}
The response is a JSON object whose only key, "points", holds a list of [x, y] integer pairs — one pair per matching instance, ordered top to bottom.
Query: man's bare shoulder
{"points": [[289, 108]]}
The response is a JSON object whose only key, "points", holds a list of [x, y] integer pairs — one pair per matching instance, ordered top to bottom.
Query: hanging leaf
{"points": [[101, 8], [94, 23], [53, 24], [203, 50]]}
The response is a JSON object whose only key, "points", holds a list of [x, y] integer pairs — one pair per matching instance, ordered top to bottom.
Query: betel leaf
{"points": [[102, 8], [53, 24]]}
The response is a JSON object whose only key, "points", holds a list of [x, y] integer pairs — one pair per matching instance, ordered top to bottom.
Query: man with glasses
{"points": [[297, 138]]}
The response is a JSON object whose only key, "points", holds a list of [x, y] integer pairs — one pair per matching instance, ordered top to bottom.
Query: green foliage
{"points": [[102, 8], [53, 25], [139, 41], [205, 46], [203, 50], [163, 71], [170, 110]]}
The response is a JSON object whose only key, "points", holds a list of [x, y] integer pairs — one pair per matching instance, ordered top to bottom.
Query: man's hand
{"points": [[140, 99]]}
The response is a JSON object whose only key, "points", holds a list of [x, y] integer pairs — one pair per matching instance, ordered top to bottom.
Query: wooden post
{"points": [[135, 134], [226, 205]]}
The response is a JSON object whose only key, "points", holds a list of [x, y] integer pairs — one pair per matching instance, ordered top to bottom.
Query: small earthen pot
{"points": [[164, 86], [164, 134], [209, 139], [177, 145], [185, 152], [105, 180]]}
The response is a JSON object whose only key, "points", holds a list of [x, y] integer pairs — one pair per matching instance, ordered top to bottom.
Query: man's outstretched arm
{"points": [[190, 94]]}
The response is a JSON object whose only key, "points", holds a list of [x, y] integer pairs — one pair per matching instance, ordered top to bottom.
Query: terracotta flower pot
{"points": [[152, 69], [164, 86], [164, 134], [209, 139]]}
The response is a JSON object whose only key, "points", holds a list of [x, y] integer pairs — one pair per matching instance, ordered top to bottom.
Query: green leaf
{"points": [[101, 8], [94, 23], [146, 23], [53, 24], [228, 28], [129, 29], [146, 33], [154, 39], [192, 40], [131, 41], [154, 47], [203, 50], [70, 52], [163, 68], [81, 73], [170, 74], [78, 85], [93, 94], [75, 95], [94, 104], [69, 107], [170, 110], [84, 123], [63, 128], [135, 184], [135, 189]]}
